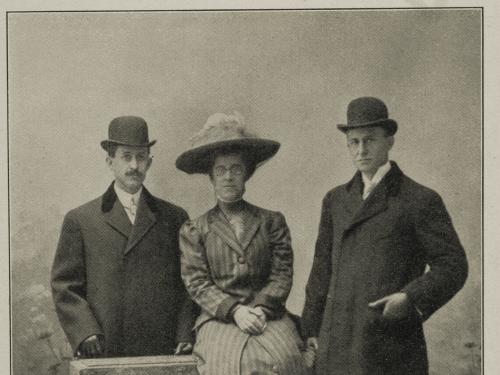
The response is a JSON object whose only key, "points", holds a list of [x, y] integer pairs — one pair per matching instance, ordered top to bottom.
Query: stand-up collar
{"points": [[392, 180], [109, 199]]}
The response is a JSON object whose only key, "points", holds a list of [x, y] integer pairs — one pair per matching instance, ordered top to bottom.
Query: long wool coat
{"points": [[367, 250], [220, 271], [122, 281]]}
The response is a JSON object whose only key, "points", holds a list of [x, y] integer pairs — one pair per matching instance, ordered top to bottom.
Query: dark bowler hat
{"points": [[368, 111], [127, 131]]}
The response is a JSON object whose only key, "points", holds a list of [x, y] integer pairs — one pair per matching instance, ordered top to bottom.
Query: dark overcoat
{"points": [[367, 250], [122, 281]]}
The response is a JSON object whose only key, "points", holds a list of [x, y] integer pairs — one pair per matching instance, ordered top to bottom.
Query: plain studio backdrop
{"points": [[291, 74]]}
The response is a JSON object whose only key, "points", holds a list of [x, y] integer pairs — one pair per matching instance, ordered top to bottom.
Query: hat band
{"points": [[367, 123], [108, 142]]}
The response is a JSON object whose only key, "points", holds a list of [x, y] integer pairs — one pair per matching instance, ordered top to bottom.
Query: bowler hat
{"points": [[368, 111], [127, 131], [224, 132]]}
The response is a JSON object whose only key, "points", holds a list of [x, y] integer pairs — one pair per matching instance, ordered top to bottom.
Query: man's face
{"points": [[369, 148], [129, 166], [228, 177]]}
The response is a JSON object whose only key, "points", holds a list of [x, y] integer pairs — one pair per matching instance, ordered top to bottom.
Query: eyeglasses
{"points": [[236, 170]]}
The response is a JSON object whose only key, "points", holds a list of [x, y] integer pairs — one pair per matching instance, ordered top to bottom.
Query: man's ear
{"points": [[391, 141], [109, 161], [150, 161]]}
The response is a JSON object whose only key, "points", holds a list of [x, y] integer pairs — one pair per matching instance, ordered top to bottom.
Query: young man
{"points": [[116, 274], [368, 292]]}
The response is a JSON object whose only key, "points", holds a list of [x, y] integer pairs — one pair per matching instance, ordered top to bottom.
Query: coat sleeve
{"points": [[443, 254], [196, 275], [319, 278], [68, 281], [277, 288], [188, 310], [186, 319]]}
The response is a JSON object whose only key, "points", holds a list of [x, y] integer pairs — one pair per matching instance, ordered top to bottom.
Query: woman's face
{"points": [[229, 176]]}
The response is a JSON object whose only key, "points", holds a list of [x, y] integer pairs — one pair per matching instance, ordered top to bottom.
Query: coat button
{"points": [[241, 259], [275, 369]]}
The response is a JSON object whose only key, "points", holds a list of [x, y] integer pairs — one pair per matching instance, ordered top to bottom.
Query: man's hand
{"points": [[395, 306], [250, 320], [312, 342], [91, 347], [183, 348], [309, 354]]}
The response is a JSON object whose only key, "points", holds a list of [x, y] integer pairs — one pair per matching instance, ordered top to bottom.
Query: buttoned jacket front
{"points": [[367, 250], [219, 271], [122, 281]]}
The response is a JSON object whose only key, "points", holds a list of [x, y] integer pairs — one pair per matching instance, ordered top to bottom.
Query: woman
{"points": [[237, 260]]}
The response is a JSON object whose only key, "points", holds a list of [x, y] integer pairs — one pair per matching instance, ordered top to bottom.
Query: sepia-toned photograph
{"points": [[236, 192]]}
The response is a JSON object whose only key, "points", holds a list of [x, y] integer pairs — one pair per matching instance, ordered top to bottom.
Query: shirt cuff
{"points": [[264, 300], [225, 307]]}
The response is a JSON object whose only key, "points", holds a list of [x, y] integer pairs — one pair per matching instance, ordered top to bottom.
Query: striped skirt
{"points": [[223, 349]]}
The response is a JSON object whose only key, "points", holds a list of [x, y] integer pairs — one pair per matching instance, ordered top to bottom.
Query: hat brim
{"points": [[389, 124], [110, 142], [198, 159]]}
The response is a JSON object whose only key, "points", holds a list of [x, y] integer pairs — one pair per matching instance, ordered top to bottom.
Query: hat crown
{"points": [[366, 110], [221, 127], [129, 130], [226, 133]]}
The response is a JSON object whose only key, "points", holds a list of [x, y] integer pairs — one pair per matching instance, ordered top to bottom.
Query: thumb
{"points": [[379, 303], [312, 342], [184, 347], [178, 349]]}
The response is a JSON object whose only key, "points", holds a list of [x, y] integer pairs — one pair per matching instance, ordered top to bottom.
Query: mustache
{"points": [[134, 173]]}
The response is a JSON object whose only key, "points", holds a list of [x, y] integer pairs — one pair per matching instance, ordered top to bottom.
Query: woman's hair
{"points": [[246, 157]]}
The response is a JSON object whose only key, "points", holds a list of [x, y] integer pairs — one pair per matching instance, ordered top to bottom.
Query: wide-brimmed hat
{"points": [[368, 111], [127, 131], [224, 132]]}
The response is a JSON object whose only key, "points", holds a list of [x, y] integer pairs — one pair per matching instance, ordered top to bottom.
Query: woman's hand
{"points": [[260, 312], [250, 320]]}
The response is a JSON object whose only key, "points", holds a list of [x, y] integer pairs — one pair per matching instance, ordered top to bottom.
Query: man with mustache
{"points": [[116, 274], [369, 291]]}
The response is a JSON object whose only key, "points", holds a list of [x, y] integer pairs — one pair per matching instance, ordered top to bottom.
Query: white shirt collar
{"points": [[378, 176], [369, 185], [125, 197], [226, 201]]}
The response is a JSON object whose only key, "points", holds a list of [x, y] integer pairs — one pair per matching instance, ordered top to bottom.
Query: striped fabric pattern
{"points": [[220, 271], [223, 349]]}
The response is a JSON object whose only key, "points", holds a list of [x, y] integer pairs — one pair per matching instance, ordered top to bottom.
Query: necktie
{"points": [[368, 189], [132, 208]]}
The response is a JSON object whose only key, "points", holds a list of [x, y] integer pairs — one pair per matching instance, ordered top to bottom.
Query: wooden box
{"points": [[158, 365]]}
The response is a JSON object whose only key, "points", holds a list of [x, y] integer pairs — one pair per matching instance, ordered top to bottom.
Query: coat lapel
{"points": [[353, 200], [377, 200], [373, 205], [114, 213], [118, 219], [145, 219], [251, 224], [221, 226]]}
